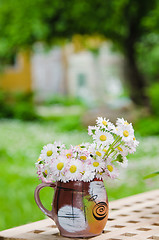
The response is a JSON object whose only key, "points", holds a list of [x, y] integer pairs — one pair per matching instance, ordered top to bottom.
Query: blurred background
{"points": [[62, 64]]}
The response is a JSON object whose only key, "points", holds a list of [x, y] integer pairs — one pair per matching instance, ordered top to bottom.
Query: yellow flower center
{"points": [[104, 123], [126, 123], [117, 129], [126, 133], [103, 138], [134, 138], [120, 149], [105, 150], [49, 153], [98, 153], [68, 155], [83, 157], [39, 159], [95, 164], [60, 165], [110, 168], [73, 169], [45, 172], [100, 173]]}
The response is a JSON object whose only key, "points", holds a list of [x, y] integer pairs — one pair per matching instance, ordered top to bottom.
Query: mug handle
{"points": [[38, 201]]}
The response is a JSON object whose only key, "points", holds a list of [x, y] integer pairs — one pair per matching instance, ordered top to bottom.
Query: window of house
{"points": [[81, 79]]}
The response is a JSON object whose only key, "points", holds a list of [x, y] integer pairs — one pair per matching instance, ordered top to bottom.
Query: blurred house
{"points": [[48, 73], [17, 77], [94, 78]]}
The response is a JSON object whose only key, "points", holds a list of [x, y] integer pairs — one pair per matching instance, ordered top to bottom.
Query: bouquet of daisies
{"points": [[100, 159]]}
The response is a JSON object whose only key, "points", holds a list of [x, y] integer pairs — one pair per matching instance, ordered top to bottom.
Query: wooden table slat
{"points": [[135, 217]]}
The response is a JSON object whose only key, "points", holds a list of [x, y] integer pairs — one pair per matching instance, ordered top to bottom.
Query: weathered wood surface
{"points": [[135, 217]]}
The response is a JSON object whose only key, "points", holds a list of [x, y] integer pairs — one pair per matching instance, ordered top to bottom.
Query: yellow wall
{"points": [[18, 77]]}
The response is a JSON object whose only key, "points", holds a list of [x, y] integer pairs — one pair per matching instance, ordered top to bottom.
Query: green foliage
{"points": [[22, 23], [127, 23], [149, 62], [153, 92], [64, 101], [19, 106], [6, 109], [24, 111], [65, 123], [70, 123], [147, 126], [151, 175]]}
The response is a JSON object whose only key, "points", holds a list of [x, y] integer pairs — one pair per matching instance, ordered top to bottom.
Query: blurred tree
{"points": [[22, 23]]}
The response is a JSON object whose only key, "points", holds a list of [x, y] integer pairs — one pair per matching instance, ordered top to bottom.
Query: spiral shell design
{"points": [[100, 211]]}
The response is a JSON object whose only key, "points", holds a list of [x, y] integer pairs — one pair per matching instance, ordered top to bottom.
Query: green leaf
{"points": [[119, 158], [151, 175]]}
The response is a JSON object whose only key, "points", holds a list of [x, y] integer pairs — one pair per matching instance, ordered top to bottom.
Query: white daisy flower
{"points": [[121, 121], [104, 123], [111, 127], [92, 130], [115, 130], [126, 132], [103, 138], [133, 144], [59, 145], [85, 145], [132, 148], [92, 149], [75, 150], [105, 150], [123, 150], [48, 152], [80, 152], [100, 152], [68, 153], [83, 154], [82, 157], [39, 160], [88, 161], [122, 161], [97, 165], [58, 166], [40, 170], [74, 170], [111, 170], [48, 174], [88, 174], [101, 175], [63, 178]]}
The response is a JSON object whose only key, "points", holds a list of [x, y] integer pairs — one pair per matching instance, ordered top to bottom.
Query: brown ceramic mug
{"points": [[79, 209]]}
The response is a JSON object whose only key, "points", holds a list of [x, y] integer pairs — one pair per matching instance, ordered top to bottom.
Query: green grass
{"points": [[148, 126], [20, 145]]}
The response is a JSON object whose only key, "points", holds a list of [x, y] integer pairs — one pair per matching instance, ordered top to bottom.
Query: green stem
{"points": [[112, 145]]}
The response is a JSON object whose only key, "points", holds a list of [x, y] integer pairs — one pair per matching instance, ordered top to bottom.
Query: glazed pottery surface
{"points": [[79, 209]]}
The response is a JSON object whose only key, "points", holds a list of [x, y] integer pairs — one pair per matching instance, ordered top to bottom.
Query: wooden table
{"points": [[135, 217]]}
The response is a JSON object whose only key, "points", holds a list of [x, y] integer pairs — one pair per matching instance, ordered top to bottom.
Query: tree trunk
{"points": [[136, 80]]}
